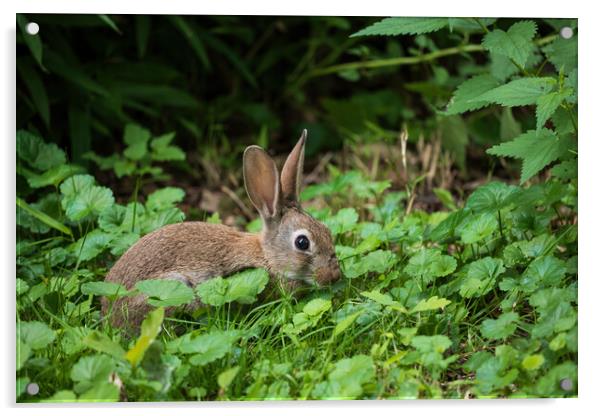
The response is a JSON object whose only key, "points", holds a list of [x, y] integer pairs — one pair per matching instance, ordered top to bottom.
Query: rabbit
{"points": [[293, 247]]}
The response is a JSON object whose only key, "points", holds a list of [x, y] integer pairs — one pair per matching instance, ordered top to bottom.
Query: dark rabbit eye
{"points": [[302, 242]]}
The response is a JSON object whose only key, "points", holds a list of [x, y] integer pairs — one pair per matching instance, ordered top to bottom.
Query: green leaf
{"points": [[109, 22], [404, 26], [190, 34], [33, 42], [516, 43], [562, 53], [36, 89], [522, 91], [464, 98], [548, 104], [136, 137], [162, 151], [537, 151], [36, 153], [565, 170], [53, 176], [493, 196], [164, 198], [89, 202], [43, 217], [343, 221], [477, 228], [91, 245], [428, 264], [547, 270], [481, 276], [242, 287], [109, 289], [163, 292], [384, 299], [432, 303], [316, 307], [345, 323], [151, 326], [500, 328], [34, 334], [102, 343], [434, 343], [207, 347], [533, 362], [91, 369], [226, 378], [347, 379]]}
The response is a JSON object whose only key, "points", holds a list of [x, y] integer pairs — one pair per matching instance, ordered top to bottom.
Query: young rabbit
{"points": [[292, 246]]}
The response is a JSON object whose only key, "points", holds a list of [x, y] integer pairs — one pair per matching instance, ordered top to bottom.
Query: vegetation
{"points": [[442, 155]]}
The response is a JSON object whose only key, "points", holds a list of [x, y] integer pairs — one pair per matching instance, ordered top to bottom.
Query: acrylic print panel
{"points": [[287, 208]]}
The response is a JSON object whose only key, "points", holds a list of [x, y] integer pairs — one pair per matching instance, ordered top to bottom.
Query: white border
{"points": [[590, 288]]}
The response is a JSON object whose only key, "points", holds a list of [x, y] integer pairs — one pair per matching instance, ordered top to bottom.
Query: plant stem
{"points": [[135, 202], [499, 220]]}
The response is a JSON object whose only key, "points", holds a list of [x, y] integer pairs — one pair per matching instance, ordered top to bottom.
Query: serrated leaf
{"points": [[392, 26], [516, 43], [562, 53], [519, 92], [463, 99], [548, 104], [536, 151], [565, 170], [89, 202], [91, 245], [163, 292], [384, 299], [500, 328], [206, 347], [347, 378]]}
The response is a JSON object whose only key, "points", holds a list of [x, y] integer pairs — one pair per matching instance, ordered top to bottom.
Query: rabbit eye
{"points": [[302, 242]]}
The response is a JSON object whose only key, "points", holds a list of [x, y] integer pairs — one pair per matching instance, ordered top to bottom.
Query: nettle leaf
{"points": [[392, 26], [516, 43], [562, 53], [519, 92], [463, 99], [548, 104], [537, 151], [37, 153], [565, 170], [493, 196], [164, 198], [343, 221], [477, 228], [429, 264], [242, 287], [109, 289], [163, 292], [432, 303], [500, 328], [34, 334], [347, 378]]}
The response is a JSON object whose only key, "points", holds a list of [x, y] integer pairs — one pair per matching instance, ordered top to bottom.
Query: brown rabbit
{"points": [[293, 247]]}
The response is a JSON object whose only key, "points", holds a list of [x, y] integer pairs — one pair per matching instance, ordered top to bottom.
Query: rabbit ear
{"points": [[292, 170], [261, 181]]}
